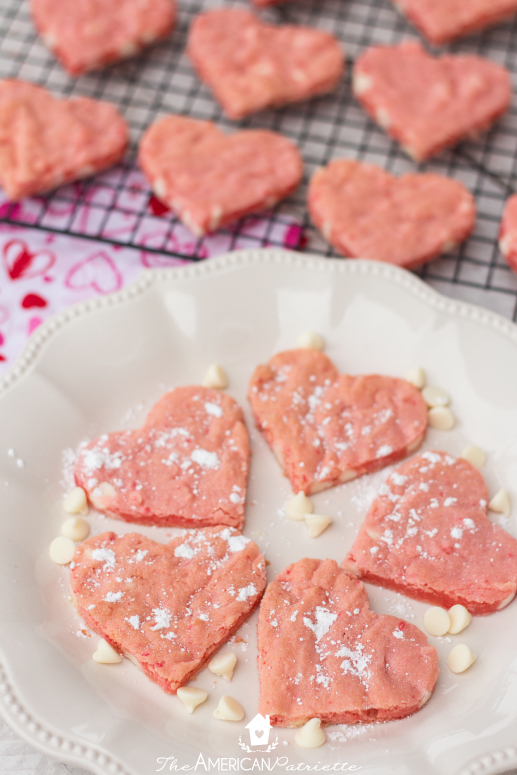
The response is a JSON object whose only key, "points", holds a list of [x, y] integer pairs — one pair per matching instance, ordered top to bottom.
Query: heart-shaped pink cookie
{"points": [[443, 20], [88, 34], [251, 65], [428, 103], [46, 142], [209, 178], [365, 212], [508, 233], [324, 427], [187, 466], [427, 535], [167, 607], [323, 653]]}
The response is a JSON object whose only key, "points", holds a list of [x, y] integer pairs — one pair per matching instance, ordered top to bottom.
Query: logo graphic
{"points": [[259, 730]]}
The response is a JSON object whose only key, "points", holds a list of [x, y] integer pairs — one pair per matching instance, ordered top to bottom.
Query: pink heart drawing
{"points": [[21, 263], [97, 271], [33, 324]]}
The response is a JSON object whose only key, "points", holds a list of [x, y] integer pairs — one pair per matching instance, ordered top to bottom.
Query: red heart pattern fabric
{"points": [[441, 21], [88, 34], [251, 65], [429, 103], [46, 142], [209, 178], [365, 212], [22, 263], [324, 427], [187, 466], [428, 536], [168, 608], [349, 665]]}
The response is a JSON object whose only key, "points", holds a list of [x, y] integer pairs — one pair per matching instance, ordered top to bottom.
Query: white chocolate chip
{"points": [[129, 49], [361, 82], [382, 117], [160, 188], [504, 244], [311, 340], [216, 377], [417, 377], [435, 396], [441, 418], [475, 456], [102, 496], [76, 501], [500, 503], [298, 506], [317, 523], [75, 528], [62, 550], [506, 601], [460, 618], [437, 621], [106, 654], [460, 658], [223, 664], [191, 697], [425, 699], [229, 709], [311, 735]]}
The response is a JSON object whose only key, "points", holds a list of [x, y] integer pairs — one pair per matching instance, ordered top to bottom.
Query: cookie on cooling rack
{"points": [[440, 21], [88, 34], [251, 65], [429, 103], [47, 141], [209, 178], [365, 212], [508, 232], [169, 607], [323, 653]]}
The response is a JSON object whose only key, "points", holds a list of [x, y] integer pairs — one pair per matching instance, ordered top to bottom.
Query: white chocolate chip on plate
{"points": [[311, 340], [216, 377], [417, 377], [435, 396], [441, 418], [475, 456], [76, 502], [500, 503], [298, 506], [317, 523], [75, 528], [62, 550], [460, 618], [437, 621], [106, 654], [460, 658], [223, 664], [191, 697], [229, 709], [311, 735]]}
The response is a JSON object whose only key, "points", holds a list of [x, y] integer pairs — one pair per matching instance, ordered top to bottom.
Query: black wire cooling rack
{"points": [[118, 206]]}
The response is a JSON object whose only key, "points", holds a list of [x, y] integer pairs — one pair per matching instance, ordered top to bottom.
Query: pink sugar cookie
{"points": [[46, 142], [324, 427], [187, 466], [428, 536], [169, 607], [323, 653]]}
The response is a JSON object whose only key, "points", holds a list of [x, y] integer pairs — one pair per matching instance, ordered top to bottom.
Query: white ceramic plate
{"points": [[101, 365]]}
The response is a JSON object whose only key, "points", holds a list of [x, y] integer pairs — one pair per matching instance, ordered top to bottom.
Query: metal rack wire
{"points": [[118, 206]]}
